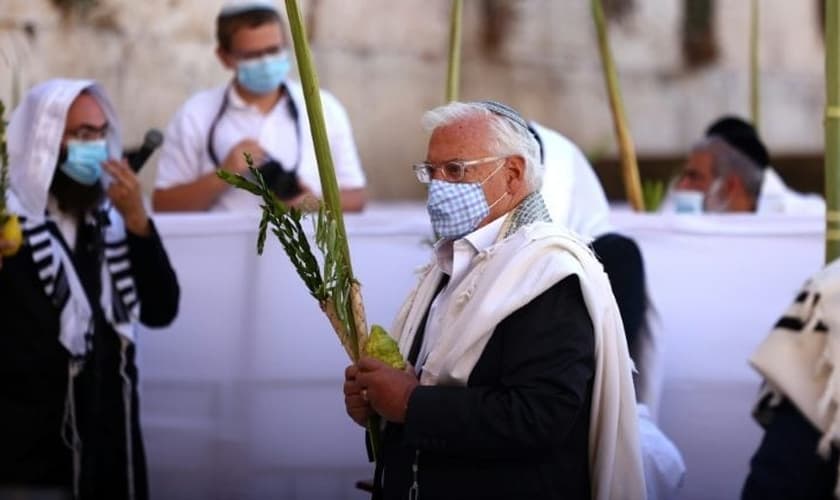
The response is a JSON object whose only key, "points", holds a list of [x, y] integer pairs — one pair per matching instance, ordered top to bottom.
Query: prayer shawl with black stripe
{"points": [[35, 134], [51, 256], [800, 359]]}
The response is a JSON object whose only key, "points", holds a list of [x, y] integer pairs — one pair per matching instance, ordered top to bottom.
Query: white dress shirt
{"points": [[184, 155], [455, 259]]}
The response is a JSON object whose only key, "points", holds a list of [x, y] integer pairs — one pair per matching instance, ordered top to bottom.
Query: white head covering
{"points": [[231, 7], [34, 137]]}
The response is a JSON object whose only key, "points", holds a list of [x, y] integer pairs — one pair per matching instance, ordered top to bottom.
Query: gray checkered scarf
{"points": [[531, 209]]}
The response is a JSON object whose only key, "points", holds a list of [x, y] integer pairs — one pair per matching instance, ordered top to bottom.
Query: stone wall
{"points": [[386, 61]]}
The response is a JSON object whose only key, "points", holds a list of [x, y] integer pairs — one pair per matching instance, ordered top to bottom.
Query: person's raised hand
{"points": [[126, 195]]}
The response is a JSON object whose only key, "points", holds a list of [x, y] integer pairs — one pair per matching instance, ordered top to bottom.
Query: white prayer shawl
{"points": [[572, 192], [776, 198], [505, 277], [800, 359]]}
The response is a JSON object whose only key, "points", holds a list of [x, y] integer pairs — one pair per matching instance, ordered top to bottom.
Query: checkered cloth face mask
{"points": [[456, 208]]}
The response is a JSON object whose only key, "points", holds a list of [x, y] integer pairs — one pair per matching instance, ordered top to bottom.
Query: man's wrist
{"points": [[138, 225], [406, 398]]}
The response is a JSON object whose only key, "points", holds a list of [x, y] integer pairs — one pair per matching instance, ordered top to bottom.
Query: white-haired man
{"points": [[524, 387]]}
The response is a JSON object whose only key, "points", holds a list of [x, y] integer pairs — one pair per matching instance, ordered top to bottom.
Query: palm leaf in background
{"points": [[453, 73], [755, 88], [832, 130], [626, 149]]}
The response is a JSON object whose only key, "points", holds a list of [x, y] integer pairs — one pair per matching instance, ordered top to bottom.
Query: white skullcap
{"points": [[231, 7]]}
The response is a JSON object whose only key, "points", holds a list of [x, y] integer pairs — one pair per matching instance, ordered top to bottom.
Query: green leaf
{"points": [[238, 181], [653, 193], [263, 230]]}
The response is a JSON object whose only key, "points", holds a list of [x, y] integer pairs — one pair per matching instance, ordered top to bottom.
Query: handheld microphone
{"points": [[137, 158]]}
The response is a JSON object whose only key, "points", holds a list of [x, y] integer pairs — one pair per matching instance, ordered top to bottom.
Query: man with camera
{"points": [[261, 112]]}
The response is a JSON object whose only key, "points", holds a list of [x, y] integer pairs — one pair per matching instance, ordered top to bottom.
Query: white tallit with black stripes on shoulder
{"points": [[35, 132], [34, 136], [50, 254], [800, 359]]}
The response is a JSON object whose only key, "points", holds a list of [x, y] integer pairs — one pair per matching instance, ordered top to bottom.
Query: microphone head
{"points": [[153, 139]]}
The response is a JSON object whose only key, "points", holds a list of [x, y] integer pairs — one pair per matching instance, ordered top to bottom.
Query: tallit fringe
{"points": [[827, 406], [127, 408], [73, 441]]}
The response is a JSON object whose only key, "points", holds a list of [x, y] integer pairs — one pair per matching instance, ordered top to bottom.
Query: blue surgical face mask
{"points": [[265, 74], [84, 161], [457, 208]]}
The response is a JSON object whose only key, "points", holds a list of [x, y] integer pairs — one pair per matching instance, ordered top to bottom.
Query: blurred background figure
{"points": [[260, 112], [729, 171], [572, 191], [622, 260], [91, 267], [798, 404]]}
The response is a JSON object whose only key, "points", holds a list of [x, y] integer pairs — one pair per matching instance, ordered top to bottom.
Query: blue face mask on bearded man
{"points": [[76, 184]]}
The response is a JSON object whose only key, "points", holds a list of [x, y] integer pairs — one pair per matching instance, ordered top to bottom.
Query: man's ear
{"points": [[225, 58], [515, 174], [734, 185]]}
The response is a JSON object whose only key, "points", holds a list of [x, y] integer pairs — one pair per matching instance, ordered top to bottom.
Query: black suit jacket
{"points": [[34, 380], [520, 427]]}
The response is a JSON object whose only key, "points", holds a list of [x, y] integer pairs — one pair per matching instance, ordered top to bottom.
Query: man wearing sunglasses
{"points": [[260, 112], [519, 383]]}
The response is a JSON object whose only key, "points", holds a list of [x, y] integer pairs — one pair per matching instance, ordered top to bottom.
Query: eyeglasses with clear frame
{"points": [[452, 170]]}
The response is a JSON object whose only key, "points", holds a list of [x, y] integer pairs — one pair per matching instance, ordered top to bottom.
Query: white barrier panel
{"points": [[718, 284], [242, 394]]}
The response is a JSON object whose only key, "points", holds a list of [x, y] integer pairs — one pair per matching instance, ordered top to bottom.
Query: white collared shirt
{"points": [[184, 156], [455, 259]]}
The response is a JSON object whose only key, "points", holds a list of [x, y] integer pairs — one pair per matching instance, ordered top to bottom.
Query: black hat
{"points": [[742, 136]]}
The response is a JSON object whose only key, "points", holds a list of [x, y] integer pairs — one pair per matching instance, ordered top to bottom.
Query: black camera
{"points": [[285, 184]]}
